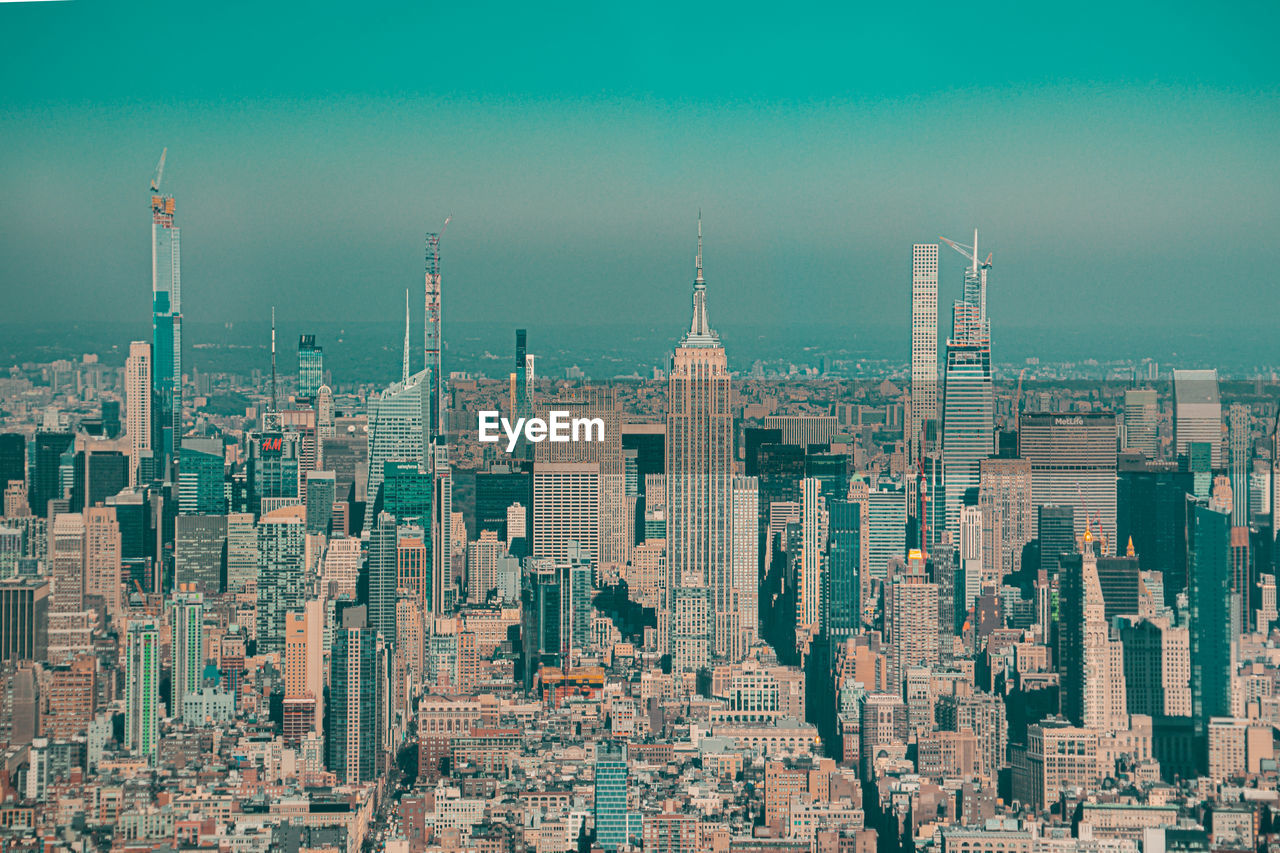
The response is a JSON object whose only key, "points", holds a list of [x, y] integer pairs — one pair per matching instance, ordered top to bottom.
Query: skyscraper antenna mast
{"points": [[432, 332], [404, 370], [275, 407]]}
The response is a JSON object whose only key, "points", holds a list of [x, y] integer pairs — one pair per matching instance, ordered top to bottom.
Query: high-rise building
{"points": [[166, 331], [924, 342], [310, 368], [1197, 412], [137, 414], [968, 416], [1141, 418], [398, 424], [802, 430], [1241, 447], [13, 458], [699, 460], [1073, 463], [273, 470], [46, 476], [201, 476], [321, 496], [1004, 496], [566, 508], [1151, 512], [887, 514], [813, 520], [1055, 528], [282, 537], [200, 546], [746, 550], [242, 552], [66, 558], [102, 558], [383, 571], [574, 573], [846, 580], [1209, 598], [186, 614], [24, 620], [911, 621], [142, 689], [357, 692], [1102, 698], [611, 816]]}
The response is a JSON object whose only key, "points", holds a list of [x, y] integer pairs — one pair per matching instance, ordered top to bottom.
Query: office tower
{"points": [[166, 330], [433, 340], [924, 343], [310, 368], [520, 398], [1197, 413], [137, 415], [968, 415], [324, 416], [1141, 417], [398, 424], [802, 430], [753, 438], [648, 441], [13, 458], [699, 459], [1239, 461], [1073, 463], [273, 470], [831, 470], [97, 473], [201, 475], [46, 482], [321, 488], [497, 489], [407, 491], [1004, 496], [16, 504], [566, 507], [1151, 513], [887, 514], [1055, 526], [282, 537], [443, 541], [200, 546], [813, 549], [242, 552], [102, 556], [746, 556], [66, 559], [482, 565], [341, 567], [413, 567], [383, 575], [574, 575], [978, 575], [846, 581], [1209, 598], [540, 612], [186, 614], [24, 620], [911, 621], [690, 625], [303, 671], [142, 689], [1102, 702], [354, 742], [611, 795]]}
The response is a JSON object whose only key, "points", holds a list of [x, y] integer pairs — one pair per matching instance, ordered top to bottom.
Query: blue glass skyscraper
{"points": [[166, 329]]}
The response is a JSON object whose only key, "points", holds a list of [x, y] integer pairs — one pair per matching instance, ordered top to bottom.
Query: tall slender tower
{"points": [[166, 328], [433, 339], [924, 342], [137, 415], [968, 416], [699, 464]]}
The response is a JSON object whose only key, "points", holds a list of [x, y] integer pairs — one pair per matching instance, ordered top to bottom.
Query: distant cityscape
{"points": [[895, 590]]}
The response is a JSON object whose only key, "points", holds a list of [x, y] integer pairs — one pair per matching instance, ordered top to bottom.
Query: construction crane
{"points": [[155, 180], [970, 252], [975, 276], [432, 332]]}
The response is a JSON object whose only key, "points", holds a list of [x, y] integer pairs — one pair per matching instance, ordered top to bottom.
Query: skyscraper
{"points": [[166, 329], [924, 342], [310, 368], [1197, 412], [137, 413], [1141, 416], [968, 417], [398, 423], [1240, 447], [13, 458], [700, 458], [1073, 463], [1004, 496], [566, 508], [813, 520], [1055, 528], [745, 551], [102, 556], [383, 571], [281, 577], [846, 579], [1209, 596], [186, 614], [911, 621], [1099, 658], [142, 689], [353, 747], [611, 795]]}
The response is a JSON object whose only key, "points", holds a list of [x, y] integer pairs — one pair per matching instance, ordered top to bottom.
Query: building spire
{"points": [[698, 263], [404, 370], [275, 406]]}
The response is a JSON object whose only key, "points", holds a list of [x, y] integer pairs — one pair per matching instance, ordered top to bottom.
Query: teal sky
{"points": [[1120, 159]]}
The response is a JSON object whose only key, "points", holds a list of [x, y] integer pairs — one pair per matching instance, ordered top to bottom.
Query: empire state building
{"points": [[701, 605]]}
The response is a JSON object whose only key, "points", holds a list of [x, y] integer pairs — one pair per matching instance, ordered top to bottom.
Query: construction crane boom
{"points": [[155, 179]]}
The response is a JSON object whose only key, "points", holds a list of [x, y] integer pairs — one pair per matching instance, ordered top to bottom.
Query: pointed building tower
{"points": [[699, 478], [1105, 702]]}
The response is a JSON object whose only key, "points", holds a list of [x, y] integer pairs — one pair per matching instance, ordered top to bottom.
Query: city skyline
{"points": [[816, 177]]}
